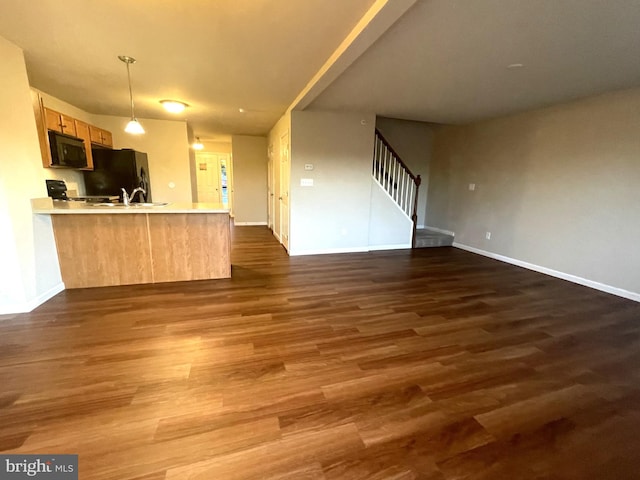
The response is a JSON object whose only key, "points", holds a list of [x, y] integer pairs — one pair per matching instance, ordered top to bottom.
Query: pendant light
{"points": [[133, 126], [197, 145]]}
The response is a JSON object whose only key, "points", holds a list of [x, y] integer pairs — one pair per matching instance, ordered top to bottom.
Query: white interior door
{"points": [[208, 177], [284, 190], [270, 193]]}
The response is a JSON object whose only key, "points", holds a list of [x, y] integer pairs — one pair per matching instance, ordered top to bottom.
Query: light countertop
{"points": [[47, 206]]}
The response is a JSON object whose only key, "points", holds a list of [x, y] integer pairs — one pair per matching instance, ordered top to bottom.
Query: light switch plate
{"points": [[306, 182], [472, 186]]}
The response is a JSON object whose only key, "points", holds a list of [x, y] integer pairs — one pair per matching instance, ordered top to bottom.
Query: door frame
{"points": [[285, 175]]}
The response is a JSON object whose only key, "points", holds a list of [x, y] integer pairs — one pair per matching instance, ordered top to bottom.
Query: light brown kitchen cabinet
{"points": [[49, 119], [59, 122], [41, 125], [82, 132], [100, 136]]}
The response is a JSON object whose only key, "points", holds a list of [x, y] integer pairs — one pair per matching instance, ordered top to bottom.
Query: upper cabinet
{"points": [[48, 119], [59, 122], [82, 132], [100, 136]]}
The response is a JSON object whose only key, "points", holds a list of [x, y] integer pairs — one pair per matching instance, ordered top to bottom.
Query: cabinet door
{"points": [[52, 120], [68, 125], [82, 131], [95, 134], [43, 139], [107, 139]]}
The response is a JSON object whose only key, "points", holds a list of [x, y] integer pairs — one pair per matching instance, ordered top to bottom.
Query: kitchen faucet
{"points": [[126, 199]]}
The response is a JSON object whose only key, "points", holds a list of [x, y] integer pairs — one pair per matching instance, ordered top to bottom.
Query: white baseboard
{"points": [[249, 224], [440, 230], [402, 246], [370, 248], [328, 251], [620, 292], [26, 307]]}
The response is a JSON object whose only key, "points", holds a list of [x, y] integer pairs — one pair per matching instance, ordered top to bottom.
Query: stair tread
{"points": [[426, 238]]}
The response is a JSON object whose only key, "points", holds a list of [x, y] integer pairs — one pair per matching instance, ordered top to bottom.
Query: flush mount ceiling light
{"points": [[514, 66], [173, 106], [133, 126], [197, 145]]}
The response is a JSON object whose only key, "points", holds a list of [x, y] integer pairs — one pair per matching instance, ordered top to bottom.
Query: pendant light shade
{"points": [[133, 126], [197, 145]]}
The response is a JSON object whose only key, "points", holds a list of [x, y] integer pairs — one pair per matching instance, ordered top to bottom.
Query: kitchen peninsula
{"points": [[105, 245]]}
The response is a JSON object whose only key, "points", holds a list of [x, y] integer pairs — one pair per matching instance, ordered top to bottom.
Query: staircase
{"points": [[393, 175]]}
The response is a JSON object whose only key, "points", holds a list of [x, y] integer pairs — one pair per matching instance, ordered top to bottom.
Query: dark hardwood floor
{"points": [[427, 364]]}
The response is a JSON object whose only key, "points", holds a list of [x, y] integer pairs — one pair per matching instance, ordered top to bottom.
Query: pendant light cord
{"points": [[130, 91]]}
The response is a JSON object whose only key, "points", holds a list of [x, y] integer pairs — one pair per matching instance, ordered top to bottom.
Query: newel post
{"points": [[414, 215]]}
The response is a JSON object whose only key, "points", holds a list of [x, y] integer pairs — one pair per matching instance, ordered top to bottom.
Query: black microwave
{"points": [[67, 151]]}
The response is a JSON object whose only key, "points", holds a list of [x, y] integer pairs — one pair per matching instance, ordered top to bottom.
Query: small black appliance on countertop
{"points": [[57, 190]]}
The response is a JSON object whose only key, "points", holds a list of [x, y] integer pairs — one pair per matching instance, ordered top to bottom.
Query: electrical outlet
{"points": [[308, 166], [472, 186], [488, 235]]}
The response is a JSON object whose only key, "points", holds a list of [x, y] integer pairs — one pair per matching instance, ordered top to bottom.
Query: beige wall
{"points": [[413, 141], [167, 145], [217, 147], [193, 177], [249, 179], [558, 188], [334, 214], [27, 251]]}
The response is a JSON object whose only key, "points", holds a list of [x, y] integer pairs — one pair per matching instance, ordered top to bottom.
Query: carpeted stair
{"points": [[430, 238]]}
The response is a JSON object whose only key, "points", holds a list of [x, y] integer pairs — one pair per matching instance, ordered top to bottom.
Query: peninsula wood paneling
{"points": [[189, 246], [122, 249], [102, 250]]}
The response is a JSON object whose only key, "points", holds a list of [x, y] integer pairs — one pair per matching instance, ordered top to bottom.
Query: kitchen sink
{"points": [[132, 205]]}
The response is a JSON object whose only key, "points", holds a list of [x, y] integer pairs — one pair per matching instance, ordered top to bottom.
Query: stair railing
{"points": [[395, 177]]}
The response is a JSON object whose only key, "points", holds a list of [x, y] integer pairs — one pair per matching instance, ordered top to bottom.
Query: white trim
{"points": [[392, 200], [249, 224], [440, 230], [400, 246], [370, 248], [328, 251], [620, 292], [26, 307]]}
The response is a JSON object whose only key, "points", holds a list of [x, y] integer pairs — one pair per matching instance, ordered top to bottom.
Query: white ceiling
{"points": [[218, 56], [445, 61]]}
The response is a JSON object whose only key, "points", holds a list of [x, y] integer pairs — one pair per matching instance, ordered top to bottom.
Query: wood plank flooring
{"points": [[428, 364]]}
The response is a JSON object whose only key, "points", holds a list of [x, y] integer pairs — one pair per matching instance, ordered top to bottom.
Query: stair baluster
{"points": [[395, 177]]}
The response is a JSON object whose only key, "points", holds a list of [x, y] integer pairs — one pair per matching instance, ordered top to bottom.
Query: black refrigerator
{"points": [[117, 169]]}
